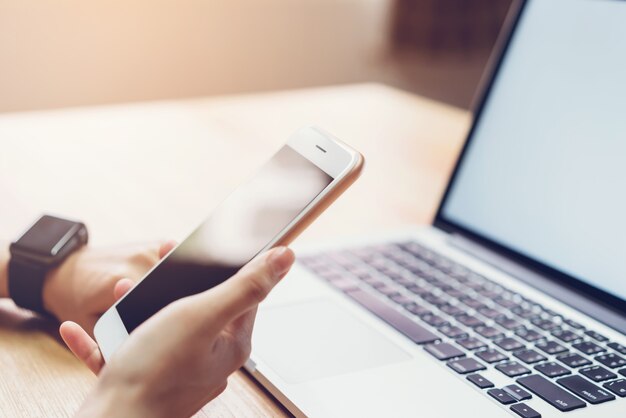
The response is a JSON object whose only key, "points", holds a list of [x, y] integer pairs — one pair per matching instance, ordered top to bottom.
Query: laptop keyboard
{"points": [[473, 324]]}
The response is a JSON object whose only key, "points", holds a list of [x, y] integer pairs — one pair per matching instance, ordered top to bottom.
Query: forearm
{"points": [[4, 270], [115, 401]]}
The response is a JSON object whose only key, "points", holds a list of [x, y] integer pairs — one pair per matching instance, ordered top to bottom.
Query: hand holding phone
{"points": [[297, 184], [181, 357]]}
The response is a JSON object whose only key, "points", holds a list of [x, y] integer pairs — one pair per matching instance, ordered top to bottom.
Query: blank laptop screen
{"points": [[544, 173]]}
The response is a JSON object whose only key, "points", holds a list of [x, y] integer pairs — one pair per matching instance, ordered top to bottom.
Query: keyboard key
{"points": [[413, 248], [361, 272], [373, 280], [402, 281], [475, 282], [376, 283], [442, 285], [388, 290], [418, 290], [454, 292], [489, 294], [402, 299], [433, 299], [506, 302], [472, 303], [535, 307], [416, 309], [451, 310], [489, 312], [524, 312], [551, 313], [434, 320], [470, 321], [508, 322], [544, 324], [573, 324], [412, 330], [452, 331], [489, 332], [529, 335], [566, 336], [596, 336], [471, 343], [509, 344], [550, 347], [587, 347], [618, 347], [444, 351], [491, 355], [529, 356], [573, 360], [611, 360], [465, 365], [512, 369], [552, 369], [622, 372], [597, 373], [480, 381], [618, 387], [585, 389], [517, 392], [551, 393], [501, 396], [525, 411]]}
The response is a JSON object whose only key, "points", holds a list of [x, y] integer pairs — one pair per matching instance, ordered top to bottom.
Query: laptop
{"points": [[514, 300]]}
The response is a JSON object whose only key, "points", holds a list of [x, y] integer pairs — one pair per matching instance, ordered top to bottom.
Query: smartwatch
{"points": [[43, 246]]}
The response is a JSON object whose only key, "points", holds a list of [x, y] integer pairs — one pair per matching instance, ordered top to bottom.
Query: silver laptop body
{"points": [[514, 300]]}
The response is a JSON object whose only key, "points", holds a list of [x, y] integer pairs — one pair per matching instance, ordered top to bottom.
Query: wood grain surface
{"points": [[152, 171]]}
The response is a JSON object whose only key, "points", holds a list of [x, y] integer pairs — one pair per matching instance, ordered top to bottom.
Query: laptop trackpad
{"points": [[316, 339]]}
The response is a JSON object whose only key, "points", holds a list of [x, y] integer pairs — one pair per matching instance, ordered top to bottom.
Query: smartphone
{"points": [[271, 208]]}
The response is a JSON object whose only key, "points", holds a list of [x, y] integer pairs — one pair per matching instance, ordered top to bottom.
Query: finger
{"points": [[166, 247], [121, 288], [246, 289], [82, 345]]}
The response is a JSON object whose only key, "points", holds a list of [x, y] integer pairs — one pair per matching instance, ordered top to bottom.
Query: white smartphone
{"points": [[275, 205]]}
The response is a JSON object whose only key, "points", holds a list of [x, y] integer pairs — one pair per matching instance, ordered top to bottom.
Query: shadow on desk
{"points": [[22, 321]]}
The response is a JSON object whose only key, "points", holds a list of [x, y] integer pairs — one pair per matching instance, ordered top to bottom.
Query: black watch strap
{"points": [[26, 285]]}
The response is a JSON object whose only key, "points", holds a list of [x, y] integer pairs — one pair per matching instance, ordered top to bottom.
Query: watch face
{"points": [[42, 238]]}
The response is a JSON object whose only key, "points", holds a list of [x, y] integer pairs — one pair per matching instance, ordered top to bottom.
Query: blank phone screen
{"points": [[241, 226]]}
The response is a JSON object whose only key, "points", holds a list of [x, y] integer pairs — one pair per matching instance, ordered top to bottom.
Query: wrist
{"points": [[59, 285], [50, 292], [116, 400]]}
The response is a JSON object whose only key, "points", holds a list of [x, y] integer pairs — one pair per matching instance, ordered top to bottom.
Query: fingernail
{"points": [[281, 260]]}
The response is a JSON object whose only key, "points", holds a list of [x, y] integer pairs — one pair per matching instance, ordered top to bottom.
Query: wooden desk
{"points": [[149, 171]]}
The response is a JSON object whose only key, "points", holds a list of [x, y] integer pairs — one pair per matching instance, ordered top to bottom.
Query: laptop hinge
{"points": [[568, 296]]}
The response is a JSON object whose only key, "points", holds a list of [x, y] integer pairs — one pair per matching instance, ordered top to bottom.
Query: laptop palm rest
{"points": [[341, 342]]}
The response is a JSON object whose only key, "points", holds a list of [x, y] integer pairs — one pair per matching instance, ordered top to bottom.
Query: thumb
{"points": [[246, 289]]}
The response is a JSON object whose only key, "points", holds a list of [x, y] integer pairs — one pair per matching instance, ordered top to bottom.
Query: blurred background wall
{"points": [[81, 52]]}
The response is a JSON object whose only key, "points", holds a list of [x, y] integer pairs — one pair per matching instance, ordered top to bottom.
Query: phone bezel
{"points": [[328, 153]]}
